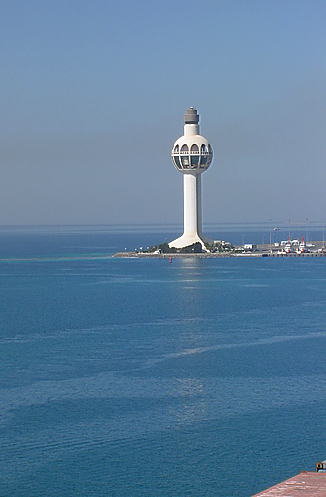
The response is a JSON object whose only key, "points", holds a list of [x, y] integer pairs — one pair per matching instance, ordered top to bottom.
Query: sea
{"points": [[138, 377]]}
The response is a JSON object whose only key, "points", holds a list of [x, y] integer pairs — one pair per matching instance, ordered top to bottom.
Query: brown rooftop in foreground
{"points": [[305, 483]]}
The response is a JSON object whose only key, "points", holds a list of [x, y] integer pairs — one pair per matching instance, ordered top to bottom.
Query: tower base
{"points": [[188, 239]]}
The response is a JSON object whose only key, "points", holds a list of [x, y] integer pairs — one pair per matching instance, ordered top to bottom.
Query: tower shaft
{"points": [[192, 204], [190, 207], [192, 213]]}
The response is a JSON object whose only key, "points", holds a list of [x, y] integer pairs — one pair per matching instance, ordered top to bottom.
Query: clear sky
{"points": [[93, 94]]}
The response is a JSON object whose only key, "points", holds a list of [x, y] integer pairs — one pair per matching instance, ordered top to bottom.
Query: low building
{"points": [[250, 246]]}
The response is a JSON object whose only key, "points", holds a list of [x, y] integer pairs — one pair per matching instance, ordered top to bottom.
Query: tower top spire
{"points": [[191, 116]]}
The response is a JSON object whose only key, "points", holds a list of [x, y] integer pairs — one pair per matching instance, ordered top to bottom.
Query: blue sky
{"points": [[93, 95]]}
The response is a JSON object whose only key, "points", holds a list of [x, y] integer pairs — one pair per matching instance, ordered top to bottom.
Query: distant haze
{"points": [[93, 95]]}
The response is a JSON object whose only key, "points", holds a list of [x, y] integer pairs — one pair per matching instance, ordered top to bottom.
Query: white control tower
{"points": [[191, 155]]}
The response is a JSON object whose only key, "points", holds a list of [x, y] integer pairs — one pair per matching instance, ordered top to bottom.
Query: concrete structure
{"points": [[192, 155], [305, 484]]}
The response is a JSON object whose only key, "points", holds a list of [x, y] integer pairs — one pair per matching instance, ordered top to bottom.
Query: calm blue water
{"points": [[139, 377]]}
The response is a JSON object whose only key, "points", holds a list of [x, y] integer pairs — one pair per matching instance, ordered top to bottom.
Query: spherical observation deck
{"points": [[192, 153]]}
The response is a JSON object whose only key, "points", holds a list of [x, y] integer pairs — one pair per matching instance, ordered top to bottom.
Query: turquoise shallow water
{"points": [[140, 377]]}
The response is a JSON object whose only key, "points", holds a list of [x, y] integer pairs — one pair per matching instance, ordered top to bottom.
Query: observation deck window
{"points": [[203, 153], [194, 155], [185, 156], [176, 161]]}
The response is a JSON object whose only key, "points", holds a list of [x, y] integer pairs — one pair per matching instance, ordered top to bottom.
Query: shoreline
{"points": [[316, 249], [205, 255]]}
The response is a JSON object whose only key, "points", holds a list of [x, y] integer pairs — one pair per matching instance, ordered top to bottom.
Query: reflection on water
{"points": [[191, 290], [191, 407]]}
